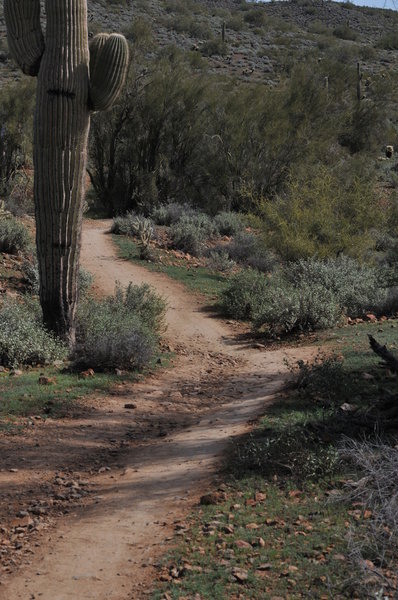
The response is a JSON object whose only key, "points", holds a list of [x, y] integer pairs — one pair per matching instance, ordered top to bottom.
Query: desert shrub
{"points": [[256, 16], [235, 22], [190, 25], [344, 32], [139, 33], [389, 41], [214, 46], [16, 111], [168, 214], [319, 216], [228, 223], [124, 225], [190, 233], [14, 237], [242, 246], [248, 249], [219, 260], [263, 260], [85, 281], [356, 287], [244, 295], [306, 295], [143, 301], [285, 308], [119, 331], [24, 339], [324, 381], [305, 455], [375, 488]]}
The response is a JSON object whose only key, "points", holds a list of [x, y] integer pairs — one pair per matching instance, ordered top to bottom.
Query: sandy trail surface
{"points": [[145, 468]]}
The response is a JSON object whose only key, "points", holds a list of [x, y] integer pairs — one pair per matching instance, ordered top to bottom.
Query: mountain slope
{"points": [[261, 41]]}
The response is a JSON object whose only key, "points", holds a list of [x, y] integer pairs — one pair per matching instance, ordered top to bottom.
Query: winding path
{"points": [[105, 551]]}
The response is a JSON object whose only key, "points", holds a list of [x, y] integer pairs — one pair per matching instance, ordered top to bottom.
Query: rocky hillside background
{"points": [[261, 41]]}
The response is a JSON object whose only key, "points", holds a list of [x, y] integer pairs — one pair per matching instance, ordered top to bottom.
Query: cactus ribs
{"points": [[73, 80]]}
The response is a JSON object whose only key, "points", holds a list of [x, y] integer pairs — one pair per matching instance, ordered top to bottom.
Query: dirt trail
{"points": [[105, 549]]}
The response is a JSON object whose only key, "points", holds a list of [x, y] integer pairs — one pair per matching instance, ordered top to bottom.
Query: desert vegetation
{"points": [[245, 157]]}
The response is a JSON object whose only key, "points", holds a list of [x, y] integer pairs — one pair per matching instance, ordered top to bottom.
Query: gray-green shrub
{"points": [[167, 214], [228, 223], [124, 225], [190, 233], [14, 237], [219, 260], [356, 287], [307, 294], [244, 295], [144, 302], [120, 331], [23, 338]]}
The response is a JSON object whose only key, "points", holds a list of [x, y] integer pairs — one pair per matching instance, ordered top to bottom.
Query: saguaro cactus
{"points": [[73, 79]]}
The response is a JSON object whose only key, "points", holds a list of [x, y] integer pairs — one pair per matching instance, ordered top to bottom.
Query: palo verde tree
{"points": [[73, 80]]}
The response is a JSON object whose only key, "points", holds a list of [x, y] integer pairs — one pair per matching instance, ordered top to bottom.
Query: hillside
{"points": [[261, 41]]}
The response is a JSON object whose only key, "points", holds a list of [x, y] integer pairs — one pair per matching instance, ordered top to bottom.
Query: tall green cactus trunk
{"points": [[70, 84], [60, 140]]}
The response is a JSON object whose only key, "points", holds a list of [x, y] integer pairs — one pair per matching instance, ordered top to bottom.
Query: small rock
{"points": [[371, 317], [15, 373], [86, 374], [130, 405], [242, 544], [264, 567], [240, 575]]}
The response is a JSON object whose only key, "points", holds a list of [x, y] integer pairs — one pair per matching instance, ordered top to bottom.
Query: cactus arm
{"points": [[25, 36], [96, 45], [109, 58]]}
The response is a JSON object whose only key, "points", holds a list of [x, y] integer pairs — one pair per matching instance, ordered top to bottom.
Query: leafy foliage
{"points": [[320, 217], [190, 232], [14, 237], [308, 294], [119, 331], [23, 338]]}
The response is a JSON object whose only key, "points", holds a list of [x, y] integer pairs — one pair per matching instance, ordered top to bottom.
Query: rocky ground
{"points": [[255, 51]]}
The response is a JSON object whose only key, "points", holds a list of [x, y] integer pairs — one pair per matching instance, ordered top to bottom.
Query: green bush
{"points": [[256, 17], [235, 22], [344, 32], [388, 41], [214, 46], [168, 214], [320, 216], [228, 223], [124, 225], [190, 233], [14, 237], [248, 250], [219, 260], [354, 286], [244, 295], [306, 295], [143, 301], [286, 308], [120, 331], [23, 338], [305, 455]]}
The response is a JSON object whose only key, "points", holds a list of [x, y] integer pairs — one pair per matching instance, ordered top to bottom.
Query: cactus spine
{"points": [[70, 85]]}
